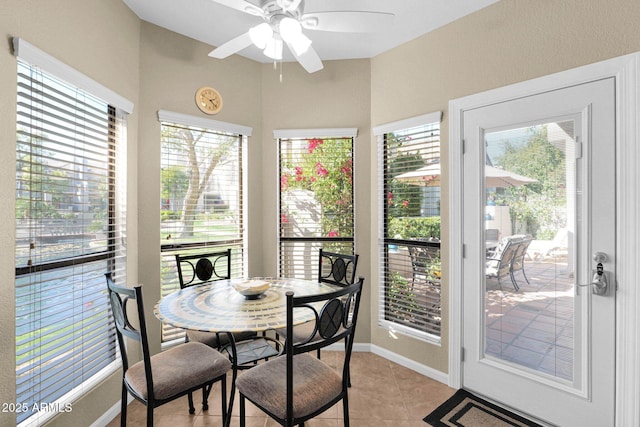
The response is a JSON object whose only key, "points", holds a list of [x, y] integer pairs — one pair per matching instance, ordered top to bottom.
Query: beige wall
{"points": [[101, 39], [508, 42], [172, 68], [336, 97]]}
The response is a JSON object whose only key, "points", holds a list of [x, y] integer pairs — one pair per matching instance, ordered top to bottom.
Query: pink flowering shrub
{"points": [[326, 169]]}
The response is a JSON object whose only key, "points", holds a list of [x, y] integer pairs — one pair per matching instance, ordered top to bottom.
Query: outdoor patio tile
{"points": [[535, 325], [548, 327], [499, 335], [540, 335], [532, 345], [523, 357], [556, 367]]}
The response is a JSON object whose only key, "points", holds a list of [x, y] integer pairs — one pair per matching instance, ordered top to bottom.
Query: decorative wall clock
{"points": [[208, 100]]}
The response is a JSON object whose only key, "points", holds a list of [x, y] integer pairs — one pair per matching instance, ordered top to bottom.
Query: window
{"points": [[201, 195], [316, 198], [410, 226], [70, 231]]}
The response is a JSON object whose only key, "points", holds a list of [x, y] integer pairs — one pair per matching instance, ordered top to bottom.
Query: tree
{"points": [[202, 158], [538, 159], [175, 183], [38, 194], [403, 199], [536, 204]]}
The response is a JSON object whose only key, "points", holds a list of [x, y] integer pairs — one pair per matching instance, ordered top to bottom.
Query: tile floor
{"points": [[534, 326], [383, 393]]}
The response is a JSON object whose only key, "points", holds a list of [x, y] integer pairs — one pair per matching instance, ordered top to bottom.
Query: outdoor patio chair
{"points": [[538, 250], [422, 260], [517, 263], [498, 264], [425, 276], [166, 376], [296, 387]]}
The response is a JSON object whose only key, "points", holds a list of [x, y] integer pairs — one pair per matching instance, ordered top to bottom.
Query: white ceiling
{"points": [[215, 24]]}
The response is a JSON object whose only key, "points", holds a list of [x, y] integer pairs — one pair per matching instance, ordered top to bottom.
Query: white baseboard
{"points": [[396, 358], [411, 364], [113, 412]]}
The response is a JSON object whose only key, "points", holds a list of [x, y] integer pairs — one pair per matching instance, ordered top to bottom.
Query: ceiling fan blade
{"points": [[242, 6], [347, 21], [232, 46], [309, 60]]}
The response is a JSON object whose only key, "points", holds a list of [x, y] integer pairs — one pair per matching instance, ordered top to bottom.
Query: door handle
{"points": [[599, 282]]}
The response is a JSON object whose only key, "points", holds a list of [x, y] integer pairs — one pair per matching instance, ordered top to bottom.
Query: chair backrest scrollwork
{"points": [[195, 269], [337, 269]]}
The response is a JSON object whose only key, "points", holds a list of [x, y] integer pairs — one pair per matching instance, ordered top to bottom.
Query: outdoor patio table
{"points": [[218, 307]]}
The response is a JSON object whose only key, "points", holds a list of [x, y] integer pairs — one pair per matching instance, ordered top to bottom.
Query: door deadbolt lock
{"points": [[599, 283]]}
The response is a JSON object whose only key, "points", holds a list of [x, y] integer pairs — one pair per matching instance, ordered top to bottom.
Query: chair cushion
{"points": [[178, 369], [314, 385]]}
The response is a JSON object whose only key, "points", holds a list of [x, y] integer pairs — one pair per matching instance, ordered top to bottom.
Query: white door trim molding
{"points": [[626, 71]]}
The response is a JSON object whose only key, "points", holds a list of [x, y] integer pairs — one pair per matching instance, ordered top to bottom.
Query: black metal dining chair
{"points": [[201, 268], [335, 269], [244, 349], [166, 376], [296, 387]]}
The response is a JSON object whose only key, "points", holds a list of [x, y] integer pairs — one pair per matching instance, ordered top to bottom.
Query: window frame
{"points": [[32, 60], [384, 241], [310, 263], [169, 278]]}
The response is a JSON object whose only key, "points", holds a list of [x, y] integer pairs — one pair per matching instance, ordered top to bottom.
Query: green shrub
{"points": [[169, 215], [414, 227]]}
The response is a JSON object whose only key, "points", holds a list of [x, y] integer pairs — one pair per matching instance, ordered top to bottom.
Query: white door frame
{"points": [[626, 71]]}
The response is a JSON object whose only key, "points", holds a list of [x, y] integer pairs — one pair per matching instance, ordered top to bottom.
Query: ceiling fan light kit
{"points": [[283, 23], [291, 32], [261, 34], [273, 49]]}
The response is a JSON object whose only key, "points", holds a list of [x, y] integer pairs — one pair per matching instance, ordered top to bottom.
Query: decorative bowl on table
{"points": [[252, 289]]}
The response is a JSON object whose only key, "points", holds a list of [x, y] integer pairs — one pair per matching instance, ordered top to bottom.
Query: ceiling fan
{"points": [[283, 21]]}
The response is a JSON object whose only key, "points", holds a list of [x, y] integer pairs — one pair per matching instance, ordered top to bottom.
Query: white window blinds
{"points": [[201, 199], [316, 201], [410, 227], [70, 231]]}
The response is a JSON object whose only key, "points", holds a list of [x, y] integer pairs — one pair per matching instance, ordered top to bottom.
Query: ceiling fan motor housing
{"points": [[275, 10]]}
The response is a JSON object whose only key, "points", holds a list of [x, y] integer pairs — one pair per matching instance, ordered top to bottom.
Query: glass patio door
{"points": [[539, 222]]}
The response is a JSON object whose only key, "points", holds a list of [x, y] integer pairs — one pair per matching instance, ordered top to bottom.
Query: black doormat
{"points": [[464, 409]]}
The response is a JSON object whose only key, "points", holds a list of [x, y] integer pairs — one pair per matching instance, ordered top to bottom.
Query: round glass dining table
{"points": [[217, 306]]}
